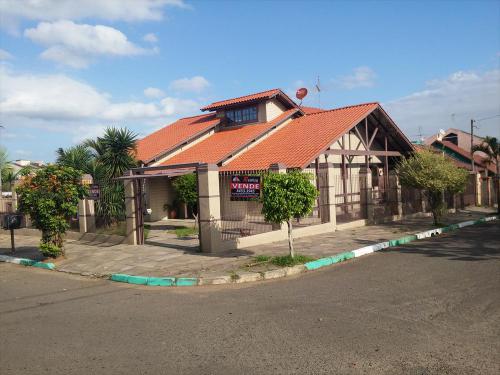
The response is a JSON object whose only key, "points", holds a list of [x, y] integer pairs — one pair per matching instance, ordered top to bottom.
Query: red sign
{"points": [[244, 187]]}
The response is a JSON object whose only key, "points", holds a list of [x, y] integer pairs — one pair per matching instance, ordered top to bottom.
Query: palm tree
{"points": [[491, 148], [119, 149], [113, 154], [78, 157]]}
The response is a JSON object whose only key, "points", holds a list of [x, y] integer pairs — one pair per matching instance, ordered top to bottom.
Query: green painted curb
{"points": [[342, 257], [27, 262], [323, 262], [315, 264], [47, 266], [121, 278], [138, 280], [161, 281], [186, 281]]}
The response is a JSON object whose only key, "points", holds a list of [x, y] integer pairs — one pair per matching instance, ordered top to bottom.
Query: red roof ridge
{"points": [[267, 94], [243, 96], [341, 108]]}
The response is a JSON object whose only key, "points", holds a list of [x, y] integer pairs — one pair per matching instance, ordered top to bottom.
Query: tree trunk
{"points": [[436, 205], [185, 210], [290, 239]]}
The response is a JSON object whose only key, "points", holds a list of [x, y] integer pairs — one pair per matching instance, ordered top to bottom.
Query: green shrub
{"points": [[288, 261]]}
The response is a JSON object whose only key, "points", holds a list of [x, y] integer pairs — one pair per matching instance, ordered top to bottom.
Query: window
{"points": [[242, 116]]}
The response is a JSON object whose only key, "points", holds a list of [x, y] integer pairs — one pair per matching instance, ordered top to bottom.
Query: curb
{"points": [[27, 262], [272, 274]]}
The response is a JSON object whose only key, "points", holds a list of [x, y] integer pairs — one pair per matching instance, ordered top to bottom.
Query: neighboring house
{"points": [[249, 133], [458, 137], [462, 157]]}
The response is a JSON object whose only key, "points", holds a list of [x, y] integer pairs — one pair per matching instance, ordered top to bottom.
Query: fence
{"points": [[348, 197], [385, 197], [411, 200], [239, 218]]}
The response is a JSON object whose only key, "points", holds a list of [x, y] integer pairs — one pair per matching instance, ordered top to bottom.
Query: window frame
{"points": [[240, 113]]}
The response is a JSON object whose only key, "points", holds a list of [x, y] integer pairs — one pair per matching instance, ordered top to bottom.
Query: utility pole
{"points": [[472, 143]]}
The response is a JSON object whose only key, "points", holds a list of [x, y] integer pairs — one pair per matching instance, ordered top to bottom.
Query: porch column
{"points": [[279, 168], [477, 186], [395, 188], [488, 191], [366, 193], [209, 207], [327, 207], [86, 212], [131, 212]]}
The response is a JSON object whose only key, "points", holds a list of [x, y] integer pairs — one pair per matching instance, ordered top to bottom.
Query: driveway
{"points": [[432, 307]]}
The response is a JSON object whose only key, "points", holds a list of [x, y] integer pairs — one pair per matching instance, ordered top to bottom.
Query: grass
{"points": [[184, 231], [262, 258], [282, 260], [288, 261]]}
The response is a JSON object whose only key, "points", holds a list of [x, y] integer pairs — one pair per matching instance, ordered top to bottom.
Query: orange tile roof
{"points": [[247, 98], [310, 110], [172, 135], [300, 141], [222, 144]]}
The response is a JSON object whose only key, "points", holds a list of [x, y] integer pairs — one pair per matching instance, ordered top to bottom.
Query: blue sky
{"points": [[67, 72]]}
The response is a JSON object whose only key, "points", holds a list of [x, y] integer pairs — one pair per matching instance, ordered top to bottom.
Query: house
{"points": [[249, 134], [457, 137]]}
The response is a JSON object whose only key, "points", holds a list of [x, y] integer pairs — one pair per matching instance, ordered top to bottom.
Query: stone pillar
{"points": [[279, 168], [477, 185], [395, 187], [488, 191], [366, 193], [209, 207], [327, 207], [86, 212], [131, 212]]}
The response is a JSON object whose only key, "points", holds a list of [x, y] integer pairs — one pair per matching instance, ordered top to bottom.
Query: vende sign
{"points": [[245, 187]]}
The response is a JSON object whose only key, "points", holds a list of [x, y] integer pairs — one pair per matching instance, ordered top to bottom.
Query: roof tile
{"points": [[171, 135], [302, 140], [222, 144]]}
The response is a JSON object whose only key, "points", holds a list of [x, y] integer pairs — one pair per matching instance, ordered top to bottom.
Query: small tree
{"points": [[491, 148], [435, 174], [186, 188], [286, 196], [50, 197]]}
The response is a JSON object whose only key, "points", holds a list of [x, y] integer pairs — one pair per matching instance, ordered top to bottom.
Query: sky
{"points": [[69, 68]]}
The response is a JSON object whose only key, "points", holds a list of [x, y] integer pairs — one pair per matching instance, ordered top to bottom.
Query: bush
{"points": [[435, 174], [286, 196], [50, 197]]}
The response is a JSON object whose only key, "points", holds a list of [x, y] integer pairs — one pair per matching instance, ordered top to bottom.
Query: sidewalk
{"points": [[182, 260]]}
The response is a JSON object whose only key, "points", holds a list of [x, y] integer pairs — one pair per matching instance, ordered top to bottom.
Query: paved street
{"points": [[166, 255], [432, 307]]}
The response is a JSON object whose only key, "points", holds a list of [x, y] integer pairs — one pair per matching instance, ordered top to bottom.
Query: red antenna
{"points": [[301, 94]]}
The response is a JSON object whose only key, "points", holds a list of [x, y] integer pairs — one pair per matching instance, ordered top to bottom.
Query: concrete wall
{"points": [[273, 109], [159, 191]]}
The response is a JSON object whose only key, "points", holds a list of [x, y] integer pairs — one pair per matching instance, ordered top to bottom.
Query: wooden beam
{"points": [[360, 136], [373, 137], [363, 153]]}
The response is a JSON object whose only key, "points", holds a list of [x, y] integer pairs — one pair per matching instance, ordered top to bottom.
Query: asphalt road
{"points": [[432, 307]]}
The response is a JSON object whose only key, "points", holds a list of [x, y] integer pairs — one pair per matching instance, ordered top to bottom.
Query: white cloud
{"points": [[110, 10], [151, 38], [76, 44], [4, 55], [362, 76], [195, 84], [153, 92], [52, 102], [451, 102], [171, 106]]}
